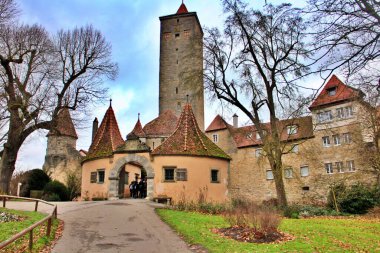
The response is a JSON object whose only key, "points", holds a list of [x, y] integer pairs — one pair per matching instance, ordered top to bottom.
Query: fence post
{"points": [[4, 200], [36, 207], [48, 227], [31, 240]]}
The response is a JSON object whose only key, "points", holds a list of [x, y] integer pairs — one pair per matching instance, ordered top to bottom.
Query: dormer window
{"points": [[331, 91]]}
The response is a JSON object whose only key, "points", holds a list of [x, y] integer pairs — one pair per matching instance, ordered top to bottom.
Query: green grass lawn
{"points": [[8, 229], [311, 235]]}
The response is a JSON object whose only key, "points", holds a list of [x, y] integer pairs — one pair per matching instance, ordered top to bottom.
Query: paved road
{"points": [[113, 226]]}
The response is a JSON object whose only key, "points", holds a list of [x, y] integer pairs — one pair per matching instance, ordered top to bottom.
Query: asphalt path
{"points": [[129, 225]]}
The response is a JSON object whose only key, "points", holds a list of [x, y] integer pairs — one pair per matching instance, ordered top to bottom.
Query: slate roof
{"points": [[182, 9], [343, 93], [217, 124], [163, 125], [65, 126], [137, 131], [107, 138], [188, 139]]}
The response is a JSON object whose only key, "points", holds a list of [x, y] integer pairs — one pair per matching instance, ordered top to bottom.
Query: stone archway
{"points": [[119, 164]]}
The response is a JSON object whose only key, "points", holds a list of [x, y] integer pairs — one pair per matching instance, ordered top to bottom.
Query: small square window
{"points": [[177, 35], [331, 91], [324, 116], [293, 129], [215, 138], [336, 138], [326, 141], [329, 168], [304, 171], [288, 173], [169, 174], [181, 174], [101, 175], [270, 175], [214, 176], [305, 188]]}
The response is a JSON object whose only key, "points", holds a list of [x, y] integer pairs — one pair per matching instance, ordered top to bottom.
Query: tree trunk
{"points": [[7, 166], [279, 182]]}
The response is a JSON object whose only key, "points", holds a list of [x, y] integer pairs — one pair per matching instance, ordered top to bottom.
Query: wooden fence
{"points": [[48, 219]]}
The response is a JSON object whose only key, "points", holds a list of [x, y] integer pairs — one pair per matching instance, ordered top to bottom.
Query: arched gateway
{"points": [[143, 161]]}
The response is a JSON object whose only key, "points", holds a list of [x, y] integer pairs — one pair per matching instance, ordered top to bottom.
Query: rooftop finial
{"points": [[187, 98], [110, 102], [138, 116]]}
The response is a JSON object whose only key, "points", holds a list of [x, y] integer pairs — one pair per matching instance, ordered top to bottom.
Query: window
{"points": [[177, 35], [176, 90], [331, 91], [348, 111], [340, 113], [324, 116], [293, 129], [215, 138], [347, 138], [336, 139], [326, 141], [295, 148], [258, 152], [350, 166], [339, 167], [329, 168], [304, 171], [288, 173], [101, 174], [169, 174], [181, 174], [270, 175], [214, 176], [93, 177], [305, 188]]}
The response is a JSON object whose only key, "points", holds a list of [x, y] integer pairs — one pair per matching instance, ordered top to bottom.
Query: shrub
{"points": [[35, 179], [73, 185], [56, 187], [356, 199], [291, 211]]}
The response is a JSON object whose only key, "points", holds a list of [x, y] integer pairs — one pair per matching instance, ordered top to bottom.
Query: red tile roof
{"points": [[182, 9], [343, 93], [217, 124], [163, 125], [65, 126], [137, 131], [107, 138], [188, 139]]}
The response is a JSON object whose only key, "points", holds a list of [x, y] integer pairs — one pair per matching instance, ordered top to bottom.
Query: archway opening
{"points": [[132, 181]]}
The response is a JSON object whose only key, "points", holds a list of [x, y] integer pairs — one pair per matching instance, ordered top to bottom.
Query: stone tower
{"points": [[181, 64], [61, 157]]}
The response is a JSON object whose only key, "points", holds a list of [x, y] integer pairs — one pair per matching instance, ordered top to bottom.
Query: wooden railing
{"points": [[29, 230]]}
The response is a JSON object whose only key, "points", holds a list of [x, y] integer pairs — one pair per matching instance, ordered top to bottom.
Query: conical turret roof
{"points": [[182, 9], [65, 126], [137, 131], [107, 138], [188, 139]]}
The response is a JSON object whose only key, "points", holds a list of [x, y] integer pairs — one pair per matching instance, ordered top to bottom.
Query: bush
{"points": [[35, 179], [73, 185], [56, 187], [357, 199], [292, 211]]}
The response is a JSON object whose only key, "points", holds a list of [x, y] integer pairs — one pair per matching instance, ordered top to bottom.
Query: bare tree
{"points": [[347, 35], [251, 66], [42, 75]]}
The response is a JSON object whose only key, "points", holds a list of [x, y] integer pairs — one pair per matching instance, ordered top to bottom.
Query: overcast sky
{"points": [[132, 27]]}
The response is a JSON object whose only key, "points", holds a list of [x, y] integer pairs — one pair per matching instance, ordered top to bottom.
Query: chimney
{"points": [[235, 120], [95, 124]]}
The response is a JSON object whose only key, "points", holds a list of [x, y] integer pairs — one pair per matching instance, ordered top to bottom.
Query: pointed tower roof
{"points": [[182, 9], [335, 91], [217, 124], [163, 125], [65, 126], [137, 131], [107, 138], [189, 140]]}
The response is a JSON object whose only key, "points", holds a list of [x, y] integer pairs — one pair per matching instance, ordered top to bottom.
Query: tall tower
{"points": [[181, 63]]}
